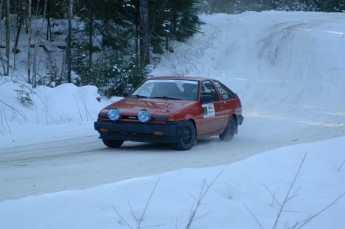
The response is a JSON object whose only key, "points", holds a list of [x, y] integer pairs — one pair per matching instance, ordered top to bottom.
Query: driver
{"points": [[190, 91]]}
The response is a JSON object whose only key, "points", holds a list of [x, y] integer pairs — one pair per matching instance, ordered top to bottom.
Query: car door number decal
{"points": [[208, 110]]}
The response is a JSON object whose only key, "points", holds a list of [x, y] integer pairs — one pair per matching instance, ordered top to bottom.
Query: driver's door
{"points": [[212, 120]]}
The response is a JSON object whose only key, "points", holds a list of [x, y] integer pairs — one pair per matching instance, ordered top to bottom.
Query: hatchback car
{"points": [[176, 110]]}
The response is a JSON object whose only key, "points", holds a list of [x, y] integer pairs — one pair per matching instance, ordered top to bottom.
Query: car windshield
{"points": [[168, 89]]}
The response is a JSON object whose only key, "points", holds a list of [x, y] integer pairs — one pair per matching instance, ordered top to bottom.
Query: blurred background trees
{"points": [[239, 6], [109, 43]]}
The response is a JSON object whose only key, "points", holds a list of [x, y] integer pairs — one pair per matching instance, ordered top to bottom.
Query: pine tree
{"points": [[330, 5]]}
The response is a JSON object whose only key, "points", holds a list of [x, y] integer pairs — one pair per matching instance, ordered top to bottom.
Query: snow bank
{"points": [[234, 195]]}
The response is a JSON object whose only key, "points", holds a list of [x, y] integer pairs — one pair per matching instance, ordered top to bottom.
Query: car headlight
{"points": [[114, 114], [144, 115]]}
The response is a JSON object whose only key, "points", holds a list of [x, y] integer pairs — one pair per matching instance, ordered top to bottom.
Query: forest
{"points": [[109, 43]]}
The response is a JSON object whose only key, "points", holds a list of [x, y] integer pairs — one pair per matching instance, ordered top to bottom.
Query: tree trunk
{"points": [[48, 8], [20, 23], [28, 28], [144, 34], [48, 36], [8, 37], [137, 38], [37, 41], [90, 41], [69, 43], [2, 59], [34, 61]]}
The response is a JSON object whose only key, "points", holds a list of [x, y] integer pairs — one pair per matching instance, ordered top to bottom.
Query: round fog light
{"points": [[114, 114], [144, 115]]}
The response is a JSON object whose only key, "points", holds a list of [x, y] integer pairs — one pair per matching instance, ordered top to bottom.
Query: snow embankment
{"points": [[246, 194]]}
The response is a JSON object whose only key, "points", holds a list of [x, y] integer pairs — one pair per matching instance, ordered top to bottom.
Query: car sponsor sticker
{"points": [[208, 110]]}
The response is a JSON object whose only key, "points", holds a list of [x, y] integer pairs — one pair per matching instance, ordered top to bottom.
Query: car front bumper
{"points": [[140, 132]]}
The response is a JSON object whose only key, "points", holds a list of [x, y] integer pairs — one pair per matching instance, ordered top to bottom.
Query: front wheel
{"points": [[230, 130], [188, 137], [112, 143]]}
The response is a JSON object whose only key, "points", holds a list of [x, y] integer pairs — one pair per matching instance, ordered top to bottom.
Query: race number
{"points": [[208, 110]]}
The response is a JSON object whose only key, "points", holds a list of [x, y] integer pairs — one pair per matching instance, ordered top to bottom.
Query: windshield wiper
{"points": [[164, 97]]}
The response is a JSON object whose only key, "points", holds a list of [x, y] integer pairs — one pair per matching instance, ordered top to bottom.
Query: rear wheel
{"points": [[230, 130], [188, 137], [112, 143]]}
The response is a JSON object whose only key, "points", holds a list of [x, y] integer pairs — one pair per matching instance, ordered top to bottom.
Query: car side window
{"points": [[209, 89], [225, 92]]}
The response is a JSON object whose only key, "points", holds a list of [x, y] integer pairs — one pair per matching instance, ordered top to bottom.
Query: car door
{"points": [[213, 115]]}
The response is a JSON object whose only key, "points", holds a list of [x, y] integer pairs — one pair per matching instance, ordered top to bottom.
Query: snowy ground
{"points": [[288, 69]]}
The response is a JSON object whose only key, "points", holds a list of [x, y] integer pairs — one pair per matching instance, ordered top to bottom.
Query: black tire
{"points": [[230, 130], [188, 137], [112, 143]]}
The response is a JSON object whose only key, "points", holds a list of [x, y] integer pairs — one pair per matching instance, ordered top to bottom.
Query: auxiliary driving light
{"points": [[114, 114], [144, 115]]}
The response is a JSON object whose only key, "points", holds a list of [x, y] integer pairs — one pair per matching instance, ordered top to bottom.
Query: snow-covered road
{"points": [[84, 162]]}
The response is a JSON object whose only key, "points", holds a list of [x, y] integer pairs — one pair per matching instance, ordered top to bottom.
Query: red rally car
{"points": [[169, 109]]}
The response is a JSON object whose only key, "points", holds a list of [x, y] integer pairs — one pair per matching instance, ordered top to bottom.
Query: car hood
{"points": [[133, 105]]}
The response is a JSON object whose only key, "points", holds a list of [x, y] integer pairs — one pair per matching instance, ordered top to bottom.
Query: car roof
{"points": [[179, 78]]}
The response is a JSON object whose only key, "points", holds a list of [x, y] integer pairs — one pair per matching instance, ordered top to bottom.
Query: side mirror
{"points": [[206, 99]]}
